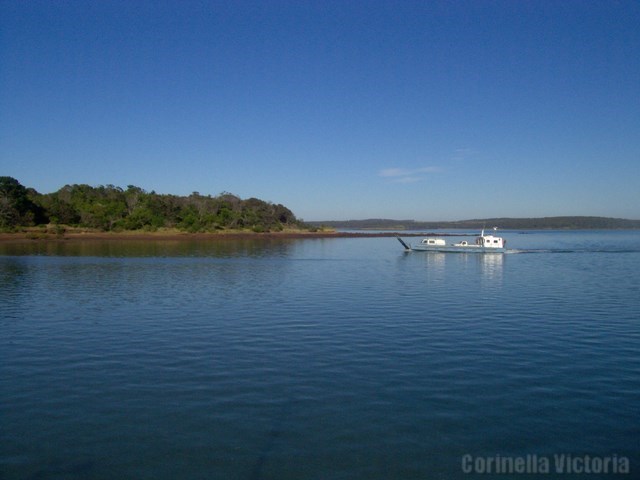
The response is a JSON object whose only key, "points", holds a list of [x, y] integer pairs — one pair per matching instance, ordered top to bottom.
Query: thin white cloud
{"points": [[394, 172], [407, 175]]}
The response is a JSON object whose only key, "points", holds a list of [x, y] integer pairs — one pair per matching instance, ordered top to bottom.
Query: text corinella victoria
{"points": [[562, 463]]}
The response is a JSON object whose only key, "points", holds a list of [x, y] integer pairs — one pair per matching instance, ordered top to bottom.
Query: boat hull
{"points": [[456, 249]]}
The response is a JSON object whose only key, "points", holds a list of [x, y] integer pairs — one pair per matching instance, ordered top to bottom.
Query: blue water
{"points": [[316, 359]]}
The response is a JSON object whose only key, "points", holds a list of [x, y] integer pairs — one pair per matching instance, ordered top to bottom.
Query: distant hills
{"points": [[541, 223]]}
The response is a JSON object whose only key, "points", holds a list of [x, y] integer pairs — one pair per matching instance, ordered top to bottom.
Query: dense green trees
{"points": [[16, 204], [112, 208]]}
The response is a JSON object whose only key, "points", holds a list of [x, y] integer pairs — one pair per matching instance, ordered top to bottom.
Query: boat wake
{"points": [[571, 250]]}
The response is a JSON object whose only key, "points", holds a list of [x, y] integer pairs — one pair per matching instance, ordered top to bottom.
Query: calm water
{"points": [[316, 359]]}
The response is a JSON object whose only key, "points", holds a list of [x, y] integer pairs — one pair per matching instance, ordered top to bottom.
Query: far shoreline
{"points": [[75, 234], [40, 236]]}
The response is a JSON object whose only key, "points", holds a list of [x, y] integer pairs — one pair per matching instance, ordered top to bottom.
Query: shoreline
{"points": [[39, 236]]}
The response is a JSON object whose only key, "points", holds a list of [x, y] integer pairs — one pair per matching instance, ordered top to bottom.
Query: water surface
{"points": [[309, 359]]}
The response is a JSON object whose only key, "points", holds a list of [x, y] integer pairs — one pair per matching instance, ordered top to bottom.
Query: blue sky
{"points": [[431, 110]]}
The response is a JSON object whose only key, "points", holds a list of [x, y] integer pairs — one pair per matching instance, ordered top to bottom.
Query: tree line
{"points": [[111, 208]]}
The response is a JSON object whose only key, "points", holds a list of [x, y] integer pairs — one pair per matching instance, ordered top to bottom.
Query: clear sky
{"points": [[347, 109]]}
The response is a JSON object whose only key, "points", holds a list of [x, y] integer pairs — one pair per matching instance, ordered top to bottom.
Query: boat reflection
{"points": [[490, 266]]}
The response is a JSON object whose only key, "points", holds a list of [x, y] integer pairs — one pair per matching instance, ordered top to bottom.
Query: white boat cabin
{"points": [[489, 241], [434, 242], [482, 243]]}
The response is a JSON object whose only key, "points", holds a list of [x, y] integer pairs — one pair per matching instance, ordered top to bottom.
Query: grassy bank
{"points": [[58, 233]]}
